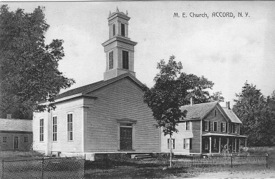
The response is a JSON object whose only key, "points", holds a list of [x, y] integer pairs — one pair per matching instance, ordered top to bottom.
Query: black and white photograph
{"points": [[137, 89]]}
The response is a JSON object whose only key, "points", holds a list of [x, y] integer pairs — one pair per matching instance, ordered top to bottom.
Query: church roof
{"points": [[84, 90], [200, 111], [19, 125]]}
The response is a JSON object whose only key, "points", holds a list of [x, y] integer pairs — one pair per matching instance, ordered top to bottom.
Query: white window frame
{"points": [[54, 123], [206, 125], [41, 130], [70, 132], [173, 143]]}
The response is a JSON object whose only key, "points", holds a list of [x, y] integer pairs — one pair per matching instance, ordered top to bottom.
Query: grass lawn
{"points": [[155, 168]]}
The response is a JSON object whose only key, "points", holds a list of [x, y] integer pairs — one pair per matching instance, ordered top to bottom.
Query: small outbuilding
{"points": [[15, 134]]}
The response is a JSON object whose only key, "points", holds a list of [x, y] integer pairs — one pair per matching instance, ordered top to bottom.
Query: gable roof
{"points": [[84, 90], [200, 111], [232, 116], [16, 125]]}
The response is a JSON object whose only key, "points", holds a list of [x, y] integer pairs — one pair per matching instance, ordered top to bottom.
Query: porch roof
{"points": [[222, 135]]}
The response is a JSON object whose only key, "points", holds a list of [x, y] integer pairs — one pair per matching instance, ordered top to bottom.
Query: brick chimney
{"points": [[191, 101], [228, 104]]}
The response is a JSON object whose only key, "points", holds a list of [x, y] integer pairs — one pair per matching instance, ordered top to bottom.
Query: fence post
{"points": [[231, 160], [266, 160], [42, 168]]}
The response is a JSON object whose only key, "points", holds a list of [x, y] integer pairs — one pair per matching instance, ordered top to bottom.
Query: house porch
{"points": [[222, 143]]}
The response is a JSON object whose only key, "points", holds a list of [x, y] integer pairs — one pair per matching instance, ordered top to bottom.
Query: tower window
{"points": [[114, 29], [122, 29], [111, 60], [125, 60]]}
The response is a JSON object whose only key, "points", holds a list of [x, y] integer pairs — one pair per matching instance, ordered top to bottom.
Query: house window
{"points": [[114, 29], [122, 29], [125, 59], [215, 113], [188, 125], [206, 125], [70, 126], [215, 126], [222, 127], [55, 128], [234, 128], [41, 131], [126, 136], [4, 139], [26, 139], [173, 143], [187, 143]]}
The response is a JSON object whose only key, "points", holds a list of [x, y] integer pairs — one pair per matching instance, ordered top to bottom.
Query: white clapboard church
{"points": [[108, 116]]}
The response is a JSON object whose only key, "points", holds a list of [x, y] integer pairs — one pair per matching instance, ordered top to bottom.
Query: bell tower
{"points": [[119, 48]]}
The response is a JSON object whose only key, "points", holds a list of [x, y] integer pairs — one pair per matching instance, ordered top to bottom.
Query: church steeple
{"points": [[119, 48]]}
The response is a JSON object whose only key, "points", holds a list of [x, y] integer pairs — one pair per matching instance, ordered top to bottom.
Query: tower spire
{"points": [[119, 48]]}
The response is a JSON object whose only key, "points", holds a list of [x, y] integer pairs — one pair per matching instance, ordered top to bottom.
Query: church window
{"points": [[114, 29], [123, 30], [111, 60], [125, 60], [187, 125], [70, 126], [54, 128], [41, 131], [126, 136]]}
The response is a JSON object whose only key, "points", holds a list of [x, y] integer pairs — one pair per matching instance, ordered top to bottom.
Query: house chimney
{"points": [[191, 101], [228, 104], [8, 116]]}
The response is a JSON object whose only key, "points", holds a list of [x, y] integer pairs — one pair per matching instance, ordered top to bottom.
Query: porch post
{"points": [[220, 144], [227, 144], [235, 144], [210, 145], [239, 145]]}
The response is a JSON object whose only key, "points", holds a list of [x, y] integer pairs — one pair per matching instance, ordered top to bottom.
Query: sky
{"points": [[226, 50]]}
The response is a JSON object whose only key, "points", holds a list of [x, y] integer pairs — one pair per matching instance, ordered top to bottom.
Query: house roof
{"points": [[84, 90], [200, 111], [232, 116], [16, 125]]}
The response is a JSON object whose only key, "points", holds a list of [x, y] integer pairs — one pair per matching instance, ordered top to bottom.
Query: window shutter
{"points": [[203, 125], [209, 126], [190, 143]]}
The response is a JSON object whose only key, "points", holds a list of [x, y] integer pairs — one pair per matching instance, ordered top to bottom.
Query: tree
{"points": [[28, 67], [173, 89], [217, 96], [257, 116]]}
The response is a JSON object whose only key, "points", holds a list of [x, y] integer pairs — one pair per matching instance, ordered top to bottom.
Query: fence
{"points": [[224, 161], [43, 168]]}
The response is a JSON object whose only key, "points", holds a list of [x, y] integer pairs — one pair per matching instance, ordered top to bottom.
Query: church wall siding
{"points": [[120, 100], [62, 144]]}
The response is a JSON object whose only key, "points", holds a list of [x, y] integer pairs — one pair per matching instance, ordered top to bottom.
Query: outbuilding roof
{"points": [[20, 125]]}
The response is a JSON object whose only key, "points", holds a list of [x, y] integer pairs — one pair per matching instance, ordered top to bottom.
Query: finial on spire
{"points": [[117, 9], [110, 13], [126, 13]]}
